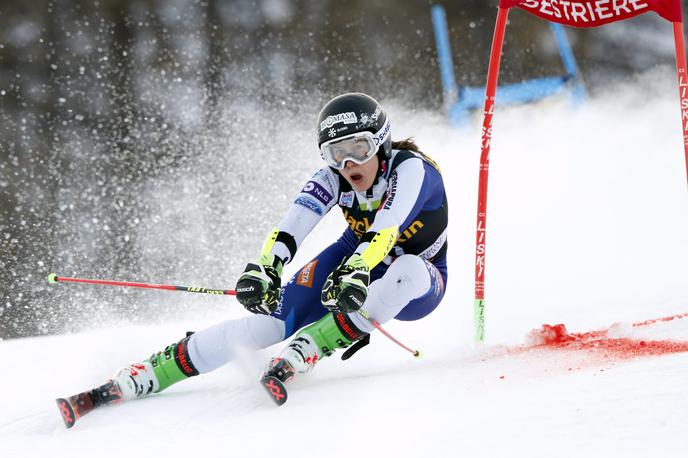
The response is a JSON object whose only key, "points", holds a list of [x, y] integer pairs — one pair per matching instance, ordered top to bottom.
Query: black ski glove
{"points": [[259, 288], [346, 288]]}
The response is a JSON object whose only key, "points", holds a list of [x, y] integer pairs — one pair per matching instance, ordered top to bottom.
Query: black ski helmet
{"points": [[355, 112]]}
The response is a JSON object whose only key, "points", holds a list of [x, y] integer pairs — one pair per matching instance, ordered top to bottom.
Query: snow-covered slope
{"points": [[587, 226]]}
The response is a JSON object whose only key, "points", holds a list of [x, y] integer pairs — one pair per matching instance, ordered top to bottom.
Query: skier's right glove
{"points": [[259, 288], [346, 288]]}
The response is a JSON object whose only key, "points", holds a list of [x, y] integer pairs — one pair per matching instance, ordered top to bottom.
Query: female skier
{"points": [[389, 263]]}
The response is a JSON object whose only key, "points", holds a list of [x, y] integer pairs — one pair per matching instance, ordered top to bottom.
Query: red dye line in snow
{"points": [[657, 320], [557, 337]]}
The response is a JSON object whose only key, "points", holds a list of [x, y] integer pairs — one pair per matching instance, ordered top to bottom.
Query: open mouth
{"points": [[356, 177]]}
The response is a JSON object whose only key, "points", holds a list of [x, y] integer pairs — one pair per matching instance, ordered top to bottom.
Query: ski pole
{"points": [[53, 278], [364, 314]]}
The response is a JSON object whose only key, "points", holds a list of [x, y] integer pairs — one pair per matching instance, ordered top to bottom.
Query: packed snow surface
{"points": [[587, 226]]}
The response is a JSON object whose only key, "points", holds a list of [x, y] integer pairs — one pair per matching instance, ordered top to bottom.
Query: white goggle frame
{"points": [[358, 147]]}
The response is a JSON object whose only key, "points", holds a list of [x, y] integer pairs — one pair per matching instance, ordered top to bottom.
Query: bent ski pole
{"points": [[53, 278], [415, 353]]}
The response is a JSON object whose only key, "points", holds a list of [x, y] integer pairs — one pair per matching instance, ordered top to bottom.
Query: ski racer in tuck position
{"points": [[389, 263]]}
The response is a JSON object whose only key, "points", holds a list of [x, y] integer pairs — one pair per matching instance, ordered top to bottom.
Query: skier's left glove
{"points": [[259, 288], [346, 288]]}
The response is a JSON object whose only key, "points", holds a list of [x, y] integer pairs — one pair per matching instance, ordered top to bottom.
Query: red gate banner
{"points": [[593, 13]]}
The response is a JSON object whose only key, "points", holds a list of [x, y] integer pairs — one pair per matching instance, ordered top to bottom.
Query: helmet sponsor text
{"points": [[346, 118], [382, 134]]}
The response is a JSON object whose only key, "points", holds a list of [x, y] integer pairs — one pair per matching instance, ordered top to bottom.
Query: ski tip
{"points": [[52, 278], [417, 354], [275, 388], [66, 411]]}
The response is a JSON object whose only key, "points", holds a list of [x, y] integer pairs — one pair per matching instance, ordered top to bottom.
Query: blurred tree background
{"points": [[133, 132]]}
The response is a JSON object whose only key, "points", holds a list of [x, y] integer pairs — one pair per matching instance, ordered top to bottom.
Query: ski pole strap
{"points": [[355, 347]]}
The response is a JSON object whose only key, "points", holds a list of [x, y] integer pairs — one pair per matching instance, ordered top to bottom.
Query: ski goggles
{"points": [[358, 147]]}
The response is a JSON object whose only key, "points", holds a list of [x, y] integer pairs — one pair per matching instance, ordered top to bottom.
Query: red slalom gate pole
{"points": [[682, 74], [490, 91], [53, 278]]}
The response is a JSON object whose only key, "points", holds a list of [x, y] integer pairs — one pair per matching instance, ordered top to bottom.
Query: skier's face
{"points": [[361, 176]]}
